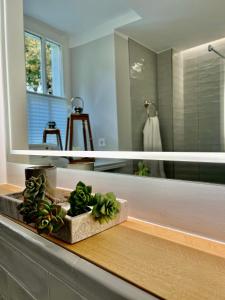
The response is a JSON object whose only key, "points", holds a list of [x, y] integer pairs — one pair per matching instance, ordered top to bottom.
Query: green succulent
{"points": [[142, 170], [35, 188], [34, 192], [80, 200], [106, 207], [37, 209], [29, 210], [49, 218]]}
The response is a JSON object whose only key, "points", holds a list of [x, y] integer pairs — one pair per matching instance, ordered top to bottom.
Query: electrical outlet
{"points": [[101, 142]]}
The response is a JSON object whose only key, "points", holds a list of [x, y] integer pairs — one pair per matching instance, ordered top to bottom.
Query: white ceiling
{"points": [[164, 24]]}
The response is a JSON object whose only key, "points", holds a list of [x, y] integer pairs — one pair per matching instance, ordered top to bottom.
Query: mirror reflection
{"points": [[105, 75]]}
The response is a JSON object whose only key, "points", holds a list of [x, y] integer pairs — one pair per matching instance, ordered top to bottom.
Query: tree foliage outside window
{"points": [[33, 62], [49, 68], [43, 75]]}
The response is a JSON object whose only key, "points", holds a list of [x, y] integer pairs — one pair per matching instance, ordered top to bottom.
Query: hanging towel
{"points": [[152, 142]]}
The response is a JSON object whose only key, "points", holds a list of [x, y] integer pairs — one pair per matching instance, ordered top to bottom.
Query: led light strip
{"points": [[207, 157]]}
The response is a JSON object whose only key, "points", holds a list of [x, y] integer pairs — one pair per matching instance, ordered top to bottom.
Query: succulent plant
{"points": [[142, 170], [35, 188], [34, 192], [80, 200], [106, 207], [38, 209], [29, 210], [50, 217]]}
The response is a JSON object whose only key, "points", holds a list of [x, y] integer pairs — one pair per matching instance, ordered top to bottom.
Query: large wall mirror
{"points": [[112, 75]]}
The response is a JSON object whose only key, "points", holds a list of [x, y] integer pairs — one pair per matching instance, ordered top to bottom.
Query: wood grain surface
{"points": [[8, 188], [160, 260]]}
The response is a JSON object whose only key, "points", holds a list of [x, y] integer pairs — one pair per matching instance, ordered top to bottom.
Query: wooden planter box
{"points": [[76, 228]]}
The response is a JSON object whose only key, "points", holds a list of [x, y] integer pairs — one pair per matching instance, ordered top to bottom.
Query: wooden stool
{"points": [[70, 131], [56, 132]]}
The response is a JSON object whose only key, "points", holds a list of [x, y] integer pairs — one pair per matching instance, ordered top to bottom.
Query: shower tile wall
{"points": [[143, 83], [202, 88], [188, 89], [165, 98], [203, 101], [178, 102], [165, 104]]}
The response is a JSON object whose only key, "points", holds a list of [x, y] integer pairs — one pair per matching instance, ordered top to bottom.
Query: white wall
{"points": [[55, 35], [15, 71], [93, 79], [3, 175]]}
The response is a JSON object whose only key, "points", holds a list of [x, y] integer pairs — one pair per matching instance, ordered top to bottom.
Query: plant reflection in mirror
{"points": [[142, 170]]}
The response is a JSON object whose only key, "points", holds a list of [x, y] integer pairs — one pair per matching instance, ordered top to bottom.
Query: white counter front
{"points": [[32, 267]]}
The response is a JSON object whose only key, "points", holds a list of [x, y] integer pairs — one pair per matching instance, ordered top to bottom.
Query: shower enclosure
{"points": [[187, 89], [198, 106]]}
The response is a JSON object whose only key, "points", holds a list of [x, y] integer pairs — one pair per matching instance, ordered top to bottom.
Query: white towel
{"points": [[152, 142]]}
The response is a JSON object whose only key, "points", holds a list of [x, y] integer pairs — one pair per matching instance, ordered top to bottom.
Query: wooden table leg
{"points": [[67, 133], [71, 135], [85, 135], [90, 135], [44, 140], [59, 140]]}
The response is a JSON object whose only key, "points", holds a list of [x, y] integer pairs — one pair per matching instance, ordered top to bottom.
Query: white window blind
{"points": [[41, 110]]}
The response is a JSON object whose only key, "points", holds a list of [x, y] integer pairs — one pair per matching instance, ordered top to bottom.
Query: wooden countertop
{"points": [[162, 261]]}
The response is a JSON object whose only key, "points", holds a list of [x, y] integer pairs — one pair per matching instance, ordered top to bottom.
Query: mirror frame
{"points": [[8, 9]]}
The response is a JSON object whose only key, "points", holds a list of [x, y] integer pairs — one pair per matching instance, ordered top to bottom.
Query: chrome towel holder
{"points": [[148, 104]]}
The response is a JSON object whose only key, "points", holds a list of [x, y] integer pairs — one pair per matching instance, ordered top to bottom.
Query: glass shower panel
{"points": [[203, 100]]}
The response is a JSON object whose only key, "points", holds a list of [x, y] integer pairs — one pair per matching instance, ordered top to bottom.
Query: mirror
{"points": [[123, 76]]}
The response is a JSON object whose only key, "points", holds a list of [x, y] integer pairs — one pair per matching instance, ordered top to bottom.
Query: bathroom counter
{"points": [[159, 260]]}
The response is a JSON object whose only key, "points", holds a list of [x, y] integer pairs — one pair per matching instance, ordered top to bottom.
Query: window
{"points": [[33, 63], [43, 65], [44, 79]]}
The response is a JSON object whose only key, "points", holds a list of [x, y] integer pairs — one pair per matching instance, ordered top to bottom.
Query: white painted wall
{"points": [[15, 70], [93, 79], [3, 175]]}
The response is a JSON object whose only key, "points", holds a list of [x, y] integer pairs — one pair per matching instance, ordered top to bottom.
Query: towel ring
{"points": [[147, 105]]}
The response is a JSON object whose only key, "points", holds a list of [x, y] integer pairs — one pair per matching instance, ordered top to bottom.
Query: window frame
{"points": [[44, 41]]}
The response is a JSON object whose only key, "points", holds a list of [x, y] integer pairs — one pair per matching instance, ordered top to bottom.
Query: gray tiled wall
{"points": [[154, 81], [143, 83], [188, 89], [165, 98], [202, 100], [165, 104], [200, 126]]}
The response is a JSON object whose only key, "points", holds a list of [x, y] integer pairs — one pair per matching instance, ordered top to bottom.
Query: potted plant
{"points": [[84, 215]]}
